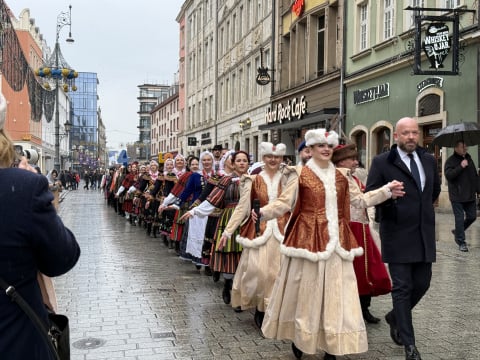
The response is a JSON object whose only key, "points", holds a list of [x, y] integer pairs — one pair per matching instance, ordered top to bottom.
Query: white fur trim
{"points": [[321, 136], [267, 148], [327, 176], [271, 228]]}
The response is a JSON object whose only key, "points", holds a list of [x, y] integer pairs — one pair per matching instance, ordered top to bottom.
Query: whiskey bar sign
{"points": [[437, 44]]}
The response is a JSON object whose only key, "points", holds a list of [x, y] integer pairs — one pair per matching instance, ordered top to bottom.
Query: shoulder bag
{"points": [[56, 334]]}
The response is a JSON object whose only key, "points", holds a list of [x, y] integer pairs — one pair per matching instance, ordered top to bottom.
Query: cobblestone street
{"points": [[130, 297]]}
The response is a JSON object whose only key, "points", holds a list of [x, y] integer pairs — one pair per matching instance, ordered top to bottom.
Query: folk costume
{"points": [[127, 182], [162, 188], [225, 195], [178, 225], [196, 225], [210, 229], [260, 261], [372, 275], [314, 301]]}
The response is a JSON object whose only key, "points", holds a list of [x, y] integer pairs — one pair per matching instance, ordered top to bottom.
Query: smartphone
{"points": [[18, 155]]}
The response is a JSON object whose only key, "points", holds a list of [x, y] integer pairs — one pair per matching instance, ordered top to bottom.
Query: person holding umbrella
{"points": [[463, 187]]}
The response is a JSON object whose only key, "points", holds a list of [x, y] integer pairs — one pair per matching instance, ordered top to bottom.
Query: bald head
{"points": [[406, 121], [407, 134]]}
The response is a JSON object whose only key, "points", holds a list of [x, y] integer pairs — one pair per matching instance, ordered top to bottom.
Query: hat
{"points": [[3, 111], [321, 136], [301, 146], [217, 147], [267, 148], [342, 152], [153, 162]]}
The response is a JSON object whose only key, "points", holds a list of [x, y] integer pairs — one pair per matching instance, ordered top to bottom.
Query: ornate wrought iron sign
{"points": [[438, 42]]}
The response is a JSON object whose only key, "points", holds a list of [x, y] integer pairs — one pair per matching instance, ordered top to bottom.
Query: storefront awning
{"points": [[307, 120]]}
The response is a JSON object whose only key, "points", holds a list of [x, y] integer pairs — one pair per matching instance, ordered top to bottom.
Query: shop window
{"points": [[383, 137], [360, 139]]}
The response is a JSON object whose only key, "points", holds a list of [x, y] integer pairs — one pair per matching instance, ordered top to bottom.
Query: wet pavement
{"points": [[130, 297]]}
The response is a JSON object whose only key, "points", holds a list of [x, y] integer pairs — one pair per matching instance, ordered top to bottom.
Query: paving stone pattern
{"points": [[130, 297]]}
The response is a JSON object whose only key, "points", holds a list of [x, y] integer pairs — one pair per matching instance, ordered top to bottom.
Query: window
{"points": [[452, 4], [248, 14], [388, 17], [410, 19], [363, 22], [240, 23], [234, 28], [227, 36], [221, 43], [321, 46], [257, 65], [248, 75], [240, 87], [234, 90], [383, 140], [361, 142]]}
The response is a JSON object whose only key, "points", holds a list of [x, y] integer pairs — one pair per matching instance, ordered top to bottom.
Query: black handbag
{"points": [[56, 334]]}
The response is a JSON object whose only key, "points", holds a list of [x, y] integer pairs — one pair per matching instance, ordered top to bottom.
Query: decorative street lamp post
{"points": [[57, 71]]}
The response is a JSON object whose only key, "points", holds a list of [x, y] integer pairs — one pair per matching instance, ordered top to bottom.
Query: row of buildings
{"points": [[269, 70], [63, 126]]}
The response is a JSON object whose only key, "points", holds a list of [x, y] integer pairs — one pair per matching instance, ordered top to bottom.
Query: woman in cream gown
{"points": [[260, 261], [314, 302]]}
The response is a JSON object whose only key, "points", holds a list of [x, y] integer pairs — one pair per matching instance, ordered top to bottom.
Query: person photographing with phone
{"points": [[34, 239]]}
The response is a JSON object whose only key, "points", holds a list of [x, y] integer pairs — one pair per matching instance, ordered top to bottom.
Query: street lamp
{"points": [[59, 72]]}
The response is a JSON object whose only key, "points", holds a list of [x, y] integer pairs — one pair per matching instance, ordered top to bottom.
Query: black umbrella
{"points": [[467, 132]]}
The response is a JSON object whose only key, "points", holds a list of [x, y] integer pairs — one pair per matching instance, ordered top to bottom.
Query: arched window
{"points": [[360, 139]]}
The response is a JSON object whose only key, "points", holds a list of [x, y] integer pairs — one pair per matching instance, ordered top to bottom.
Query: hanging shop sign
{"points": [[298, 7], [438, 41], [436, 44], [263, 78], [429, 82], [371, 94], [294, 109], [205, 139]]}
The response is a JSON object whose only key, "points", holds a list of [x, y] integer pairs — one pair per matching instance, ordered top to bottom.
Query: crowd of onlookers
{"points": [[70, 180]]}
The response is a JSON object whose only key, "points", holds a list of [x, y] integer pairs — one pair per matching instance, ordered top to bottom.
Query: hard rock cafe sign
{"points": [[437, 44]]}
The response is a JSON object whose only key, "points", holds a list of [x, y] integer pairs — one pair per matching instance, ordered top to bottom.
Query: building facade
{"points": [[307, 76], [380, 82], [148, 97], [165, 125], [85, 152]]}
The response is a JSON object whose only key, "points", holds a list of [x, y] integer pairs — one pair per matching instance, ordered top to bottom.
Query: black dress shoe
{"points": [[463, 247], [208, 271], [216, 276], [238, 309], [259, 315], [369, 318], [393, 329], [296, 351], [411, 353], [329, 357]]}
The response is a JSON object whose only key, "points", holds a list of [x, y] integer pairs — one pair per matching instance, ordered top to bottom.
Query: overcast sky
{"points": [[127, 43]]}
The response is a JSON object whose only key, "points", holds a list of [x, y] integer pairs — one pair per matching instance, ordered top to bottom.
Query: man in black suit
{"points": [[407, 226]]}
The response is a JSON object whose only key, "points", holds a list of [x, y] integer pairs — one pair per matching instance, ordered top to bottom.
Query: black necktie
{"points": [[414, 171]]}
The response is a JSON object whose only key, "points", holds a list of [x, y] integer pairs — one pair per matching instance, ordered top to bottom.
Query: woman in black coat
{"points": [[33, 239]]}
